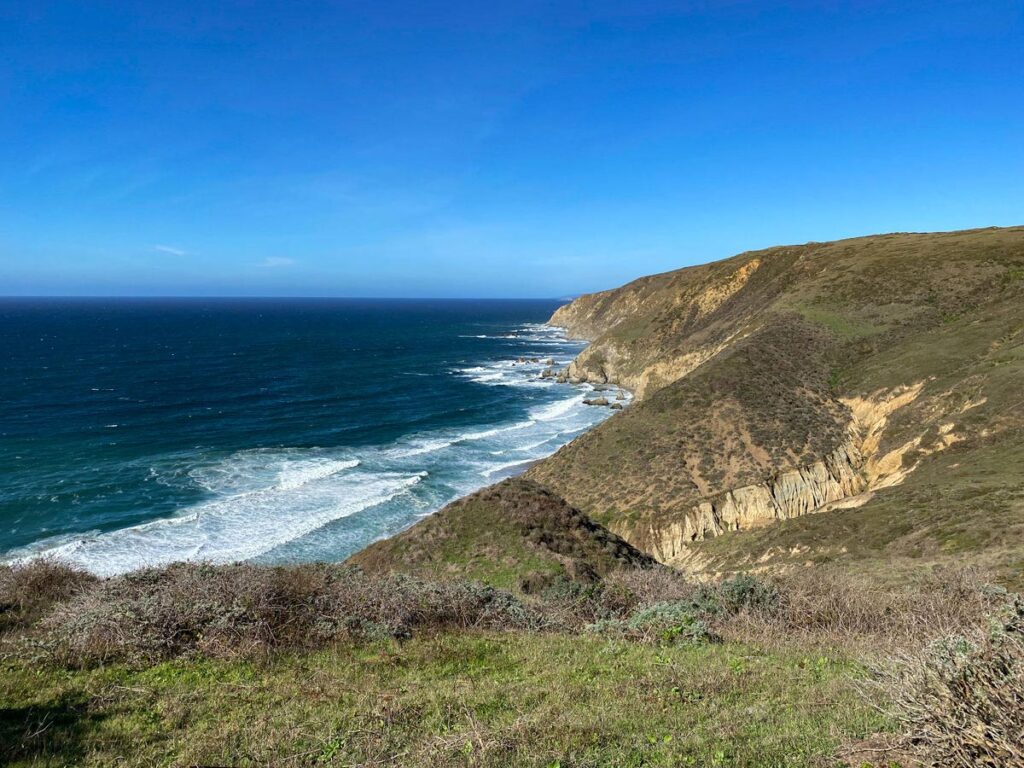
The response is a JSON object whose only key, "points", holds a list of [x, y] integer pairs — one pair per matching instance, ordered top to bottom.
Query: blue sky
{"points": [[475, 149]]}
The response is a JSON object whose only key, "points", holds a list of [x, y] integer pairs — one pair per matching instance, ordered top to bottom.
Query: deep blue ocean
{"points": [[140, 432]]}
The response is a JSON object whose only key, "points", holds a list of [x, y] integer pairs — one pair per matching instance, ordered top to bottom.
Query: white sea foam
{"points": [[508, 373], [556, 410], [496, 431], [425, 444], [420, 447], [249, 471], [291, 479], [276, 504], [236, 527]]}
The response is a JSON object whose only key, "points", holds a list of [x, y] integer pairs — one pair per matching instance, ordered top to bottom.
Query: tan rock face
{"points": [[716, 295], [640, 366], [847, 477], [791, 494]]}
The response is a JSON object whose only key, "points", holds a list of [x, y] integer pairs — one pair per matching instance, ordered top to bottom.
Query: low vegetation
{"points": [[516, 535], [250, 611], [515, 627], [325, 664], [961, 701]]}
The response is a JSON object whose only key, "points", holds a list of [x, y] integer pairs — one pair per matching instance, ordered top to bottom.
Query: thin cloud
{"points": [[170, 250], [276, 261]]}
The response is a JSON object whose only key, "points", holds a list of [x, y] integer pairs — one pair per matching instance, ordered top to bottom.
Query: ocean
{"points": [[138, 432]]}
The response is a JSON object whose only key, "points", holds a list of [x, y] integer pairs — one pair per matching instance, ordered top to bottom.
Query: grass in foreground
{"points": [[324, 664], [480, 699]]}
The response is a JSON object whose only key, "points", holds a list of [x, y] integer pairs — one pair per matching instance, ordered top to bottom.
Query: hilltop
{"points": [[515, 535]]}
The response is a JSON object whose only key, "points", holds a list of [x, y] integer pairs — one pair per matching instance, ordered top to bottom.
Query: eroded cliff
{"points": [[799, 380]]}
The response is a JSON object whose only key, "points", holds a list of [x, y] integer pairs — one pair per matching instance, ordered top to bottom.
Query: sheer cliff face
{"points": [[792, 381]]}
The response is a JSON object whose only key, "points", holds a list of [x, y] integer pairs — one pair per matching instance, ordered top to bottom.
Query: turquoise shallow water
{"points": [[139, 432]]}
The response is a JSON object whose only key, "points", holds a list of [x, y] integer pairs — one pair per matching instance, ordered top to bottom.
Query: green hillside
{"points": [[904, 351], [515, 535], [792, 548]]}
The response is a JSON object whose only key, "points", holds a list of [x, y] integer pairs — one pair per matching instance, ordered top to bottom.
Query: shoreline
{"points": [[108, 554]]}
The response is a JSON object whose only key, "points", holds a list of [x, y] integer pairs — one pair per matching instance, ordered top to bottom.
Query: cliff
{"points": [[834, 378], [855, 402]]}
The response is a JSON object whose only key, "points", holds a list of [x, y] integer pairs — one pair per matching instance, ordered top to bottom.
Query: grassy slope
{"points": [[943, 309], [966, 502], [513, 534], [468, 699]]}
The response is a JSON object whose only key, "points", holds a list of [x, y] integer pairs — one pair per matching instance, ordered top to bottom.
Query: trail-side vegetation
{"points": [[326, 664]]}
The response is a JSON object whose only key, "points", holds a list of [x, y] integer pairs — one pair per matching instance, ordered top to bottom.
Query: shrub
{"points": [[29, 590], [625, 590], [747, 592], [839, 609], [248, 610], [672, 622], [668, 623], [961, 703]]}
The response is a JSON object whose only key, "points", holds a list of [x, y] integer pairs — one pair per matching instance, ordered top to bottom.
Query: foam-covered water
{"points": [[142, 433]]}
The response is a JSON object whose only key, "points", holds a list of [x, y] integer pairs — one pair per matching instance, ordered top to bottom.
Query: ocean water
{"points": [[141, 432]]}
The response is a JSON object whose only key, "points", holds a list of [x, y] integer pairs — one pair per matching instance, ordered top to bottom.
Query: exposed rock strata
{"points": [[847, 477], [791, 494]]}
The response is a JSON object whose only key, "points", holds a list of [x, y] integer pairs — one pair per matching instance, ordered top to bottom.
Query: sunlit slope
{"points": [[878, 380], [515, 535]]}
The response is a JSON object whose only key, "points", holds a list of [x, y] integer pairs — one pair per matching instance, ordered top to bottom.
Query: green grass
{"points": [[842, 325], [512, 531], [467, 699]]}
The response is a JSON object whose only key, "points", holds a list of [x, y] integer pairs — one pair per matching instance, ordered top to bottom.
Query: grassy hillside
{"points": [[905, 348], [857, 405], [515, 535]]}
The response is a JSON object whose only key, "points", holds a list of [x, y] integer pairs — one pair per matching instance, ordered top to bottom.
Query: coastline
{"points": [[508, 447], [521, 468]]}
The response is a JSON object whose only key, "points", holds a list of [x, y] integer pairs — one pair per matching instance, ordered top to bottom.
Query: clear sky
{"points": [[476, 149]]}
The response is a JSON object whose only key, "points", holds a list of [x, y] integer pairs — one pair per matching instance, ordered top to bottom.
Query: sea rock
{"points": [[549, 361], [547, 373], [621, 395], [596, 401], [616, 406]]}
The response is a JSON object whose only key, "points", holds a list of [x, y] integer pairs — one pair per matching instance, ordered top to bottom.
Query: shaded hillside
{"points": [[882, 373], [513, 534]]}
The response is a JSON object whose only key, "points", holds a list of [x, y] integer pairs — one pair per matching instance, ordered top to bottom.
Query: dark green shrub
{"points": [[747, 592], [671, 623]]}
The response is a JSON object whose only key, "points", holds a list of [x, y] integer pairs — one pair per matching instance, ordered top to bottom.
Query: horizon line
{"points": [[6, 297]]}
